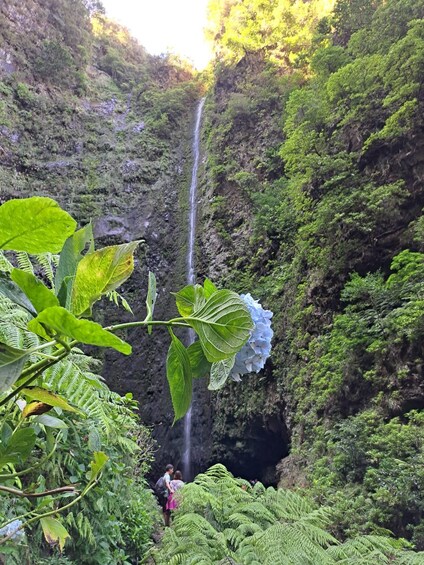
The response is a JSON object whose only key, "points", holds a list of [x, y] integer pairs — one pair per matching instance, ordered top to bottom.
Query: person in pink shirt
{"points": [[176, 484]]}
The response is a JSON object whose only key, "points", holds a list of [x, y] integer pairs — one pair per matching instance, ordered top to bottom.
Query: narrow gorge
{"points": [[291, 169]]}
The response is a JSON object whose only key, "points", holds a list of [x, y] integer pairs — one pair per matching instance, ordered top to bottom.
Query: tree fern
{"points": [[24, 262], [43, 263], [47, 263], [13, 322], [73, 378], [221, 520]]}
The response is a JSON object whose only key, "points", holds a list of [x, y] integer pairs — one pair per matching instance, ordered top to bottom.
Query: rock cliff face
{"points": [[88, 117], [242, 134], [112, 149], [313, 202]]}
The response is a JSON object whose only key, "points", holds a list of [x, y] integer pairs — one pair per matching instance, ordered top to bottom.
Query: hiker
{"points": [[176, 484], [164, 490]]}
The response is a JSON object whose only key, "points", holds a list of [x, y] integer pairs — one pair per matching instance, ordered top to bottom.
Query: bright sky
{"points": [[165, 25]]}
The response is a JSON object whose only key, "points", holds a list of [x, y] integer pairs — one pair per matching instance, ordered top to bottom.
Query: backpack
{"points": [[160, 488]]}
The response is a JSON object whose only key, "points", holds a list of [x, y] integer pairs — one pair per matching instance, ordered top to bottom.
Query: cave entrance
{"points": [[255, 455]]}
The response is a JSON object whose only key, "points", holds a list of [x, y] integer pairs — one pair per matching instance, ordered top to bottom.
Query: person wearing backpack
{"points": [[163, 490]]}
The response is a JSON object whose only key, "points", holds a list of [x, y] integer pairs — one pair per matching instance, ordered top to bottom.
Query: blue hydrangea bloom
{"points": [[252, 356], [11, 529]]}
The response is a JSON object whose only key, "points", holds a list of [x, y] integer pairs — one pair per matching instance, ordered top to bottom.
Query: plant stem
{"points": [[174, 322], [64, 344], [43, 346], [45, 355], [41, 364], [39, 368], [22, 494], [52, 512]]}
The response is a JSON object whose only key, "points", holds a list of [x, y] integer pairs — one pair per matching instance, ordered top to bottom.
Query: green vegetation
{"points": [[280, 28], [88, 111], [319, 184], [313, 202], [44, 320], [59, 445], [222, 519]]}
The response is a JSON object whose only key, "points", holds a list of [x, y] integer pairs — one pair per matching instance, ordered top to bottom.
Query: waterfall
{"points": [[191, 276]]}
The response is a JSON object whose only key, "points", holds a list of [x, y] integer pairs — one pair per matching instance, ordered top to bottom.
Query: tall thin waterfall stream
{"points": [[191, 275]]}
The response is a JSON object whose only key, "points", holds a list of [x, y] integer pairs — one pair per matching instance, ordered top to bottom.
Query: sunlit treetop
{"points": [[283, 29]]}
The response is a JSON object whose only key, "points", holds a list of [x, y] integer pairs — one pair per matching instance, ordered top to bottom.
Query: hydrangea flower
{"points": [[252, 356], [12, 529]]}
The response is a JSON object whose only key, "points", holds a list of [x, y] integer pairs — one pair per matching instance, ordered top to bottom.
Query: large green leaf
{"points": [[34, 225], [70, 256], [100, 272], [209, 288], [12, 291], [65, 292], [39, 295], [189, 299], [150, 300], [223, 325], [43, 331], [85, 331], [12, 361], [200, 366], [220, 372], [178, 373], [47, 397], [51, 422], [5, 433], [17, 448], [97, 465], [54, 532]]}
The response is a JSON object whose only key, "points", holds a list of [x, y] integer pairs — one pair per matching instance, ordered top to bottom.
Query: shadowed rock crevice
{"points": [[255, 453]]}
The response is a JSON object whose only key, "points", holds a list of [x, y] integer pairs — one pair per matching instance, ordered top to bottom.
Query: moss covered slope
{"points": [[89, 117], [313, 201]]}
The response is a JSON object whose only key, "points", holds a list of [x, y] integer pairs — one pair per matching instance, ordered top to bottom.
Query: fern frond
{"points": [[24, 262], [47, 263], [13, 322], [86, 391], [258, 489], [289, 505], [255, 511], [218, 521], [82, 526], [285, 545], [365, 550], [410, 558]]}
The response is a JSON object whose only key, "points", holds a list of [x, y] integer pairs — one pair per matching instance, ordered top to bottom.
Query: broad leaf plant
{"points": [[60, 318]]}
